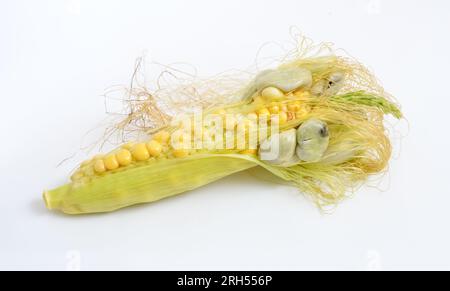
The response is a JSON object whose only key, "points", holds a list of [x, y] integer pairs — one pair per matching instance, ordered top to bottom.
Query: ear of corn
{"points": [[357, 145], [150, 181]]}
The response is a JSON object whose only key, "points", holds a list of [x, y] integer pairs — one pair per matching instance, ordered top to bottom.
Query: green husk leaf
{"points": [[143, 184]]}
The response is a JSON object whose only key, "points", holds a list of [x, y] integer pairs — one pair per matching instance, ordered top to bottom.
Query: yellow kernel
{"points": [[272, 93], [302, 94], [283, 107], [294, 107], [274, 109], [263, 111], [283, 117], [162, 137], [128, 146], [154, 148], [140, 152], [180, 153], [98, 157], [124, 157], [111, 162], [99, 166], [89, 171]]}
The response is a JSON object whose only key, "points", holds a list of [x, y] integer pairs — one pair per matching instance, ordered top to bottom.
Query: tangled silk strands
{"points": [[356, 130]]}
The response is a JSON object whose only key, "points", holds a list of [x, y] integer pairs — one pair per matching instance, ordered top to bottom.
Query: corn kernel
{"points": [[272, 93], [302, 94], [283, 107], [274, 109], [263, 111], [302, 112], [283, 117], [162, 137], [128, 146], [154, 148], [140, 152], [180, 153], [98, 157], [124, 157], [111, 162], [99, 166], [89, 171]]}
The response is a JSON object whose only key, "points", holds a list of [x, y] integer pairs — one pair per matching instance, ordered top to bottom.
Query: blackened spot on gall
{"points": [[324, 131]]}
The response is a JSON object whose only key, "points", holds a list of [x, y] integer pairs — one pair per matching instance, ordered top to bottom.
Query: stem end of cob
{"points": [[49, 203]]}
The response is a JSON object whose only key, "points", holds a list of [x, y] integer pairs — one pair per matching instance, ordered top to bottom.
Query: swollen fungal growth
{"points": [[316, 121]]}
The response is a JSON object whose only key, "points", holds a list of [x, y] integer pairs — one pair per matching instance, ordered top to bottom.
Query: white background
{"points": [[57, 57]]}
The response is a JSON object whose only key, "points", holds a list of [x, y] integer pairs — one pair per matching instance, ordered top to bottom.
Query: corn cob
{"points": [[353, 143], [109, 182]]}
